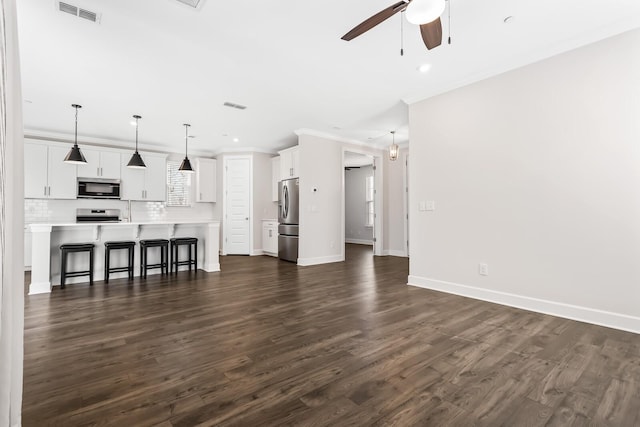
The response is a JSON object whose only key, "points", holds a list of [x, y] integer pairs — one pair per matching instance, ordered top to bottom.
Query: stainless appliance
{"points": [[98, 188], [288, 192], [97, 215]]}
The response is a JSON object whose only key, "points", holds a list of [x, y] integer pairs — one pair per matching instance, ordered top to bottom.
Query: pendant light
{"points": [[393, 148], [75, 156], [136, 161], [185, 166]]}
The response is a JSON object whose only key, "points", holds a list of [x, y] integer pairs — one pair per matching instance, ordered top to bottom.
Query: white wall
{"points": [[536, 173], [355, 205], [394, 205], [320, 211], [11, 222]]}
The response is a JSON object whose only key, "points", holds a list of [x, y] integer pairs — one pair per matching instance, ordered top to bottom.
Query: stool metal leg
{"points": [[195, 259], [106, 265], [91, 267], [63, 268]]}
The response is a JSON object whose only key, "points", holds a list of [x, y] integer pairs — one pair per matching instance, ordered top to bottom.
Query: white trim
{"points": [[327, 135], [405, 201], [359, 241], [256, 252], [394, 252], [320, 260], [211, 268], [39, 288], [583, 314]]}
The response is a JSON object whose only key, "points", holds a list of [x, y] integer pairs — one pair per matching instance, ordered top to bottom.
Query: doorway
{"points": [[238, 189], [362, 201]]}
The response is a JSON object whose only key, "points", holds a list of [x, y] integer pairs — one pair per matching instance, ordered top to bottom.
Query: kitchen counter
{"points": [[47, 238]]}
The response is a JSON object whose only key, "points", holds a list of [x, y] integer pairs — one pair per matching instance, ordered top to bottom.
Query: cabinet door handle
{"points": [[45, 190], [200, 196], [270, 235]]}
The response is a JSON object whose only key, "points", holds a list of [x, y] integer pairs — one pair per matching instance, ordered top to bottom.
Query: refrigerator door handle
{"points": [[286, 201]]}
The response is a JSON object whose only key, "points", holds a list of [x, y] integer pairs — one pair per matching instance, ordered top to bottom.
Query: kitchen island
{"points": [[47, 238]]}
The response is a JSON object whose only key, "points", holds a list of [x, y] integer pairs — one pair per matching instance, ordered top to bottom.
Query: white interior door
{"points": [[238, 206]]}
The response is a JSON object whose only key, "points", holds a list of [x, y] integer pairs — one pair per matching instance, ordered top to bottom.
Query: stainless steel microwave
{"points": [[98, 188]]}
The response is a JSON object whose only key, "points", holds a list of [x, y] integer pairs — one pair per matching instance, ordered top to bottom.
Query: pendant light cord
{"points": [[402, 33], [136, 134], [76, 135], [186, 138]]}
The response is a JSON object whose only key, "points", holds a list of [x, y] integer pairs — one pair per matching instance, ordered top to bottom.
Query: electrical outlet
{"points": [[483, 269]]}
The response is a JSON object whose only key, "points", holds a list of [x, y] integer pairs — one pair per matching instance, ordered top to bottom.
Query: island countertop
{"points": [[46, 239]]}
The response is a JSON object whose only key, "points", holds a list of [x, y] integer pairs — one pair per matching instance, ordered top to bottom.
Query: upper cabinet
{"points": [[289, 163], [100, 164], [46, 175], [275, 177], [206, 180], [148, 184]]}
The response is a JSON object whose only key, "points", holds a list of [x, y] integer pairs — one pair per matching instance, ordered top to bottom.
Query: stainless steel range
{"points": [[97, 215]]}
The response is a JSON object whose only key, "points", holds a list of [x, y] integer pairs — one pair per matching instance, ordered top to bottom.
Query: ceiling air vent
{"points": [[192, 3], [76, 11], [236, 106]]}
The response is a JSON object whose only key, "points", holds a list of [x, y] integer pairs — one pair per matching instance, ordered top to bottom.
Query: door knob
{"points": [[247, 218]]}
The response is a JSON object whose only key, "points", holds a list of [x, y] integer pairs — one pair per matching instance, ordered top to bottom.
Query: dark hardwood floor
{"points": [[265, 342]]}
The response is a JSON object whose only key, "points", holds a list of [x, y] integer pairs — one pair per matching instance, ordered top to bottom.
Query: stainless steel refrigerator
{"points": [[288, 201]]}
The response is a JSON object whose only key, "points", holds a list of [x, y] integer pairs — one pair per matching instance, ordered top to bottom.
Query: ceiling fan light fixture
{"points": [[421, 12]]}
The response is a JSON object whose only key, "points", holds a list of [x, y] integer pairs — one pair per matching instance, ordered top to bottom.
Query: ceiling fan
{"points": [[425, 13]]}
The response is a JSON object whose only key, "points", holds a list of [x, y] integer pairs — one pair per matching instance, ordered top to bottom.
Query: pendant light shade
{"points": [[393, 148], [75, 156], [136, 161], [185, 166]]}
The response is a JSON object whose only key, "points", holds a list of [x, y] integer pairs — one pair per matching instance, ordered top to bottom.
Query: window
{"points": [[178, 185], [370, 215]]}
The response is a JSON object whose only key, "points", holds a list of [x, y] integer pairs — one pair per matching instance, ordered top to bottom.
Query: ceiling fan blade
{"points": [[379, 17], [431, 33]]}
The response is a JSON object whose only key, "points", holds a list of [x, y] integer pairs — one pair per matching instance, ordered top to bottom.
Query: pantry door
{"points": [[237, 205]]}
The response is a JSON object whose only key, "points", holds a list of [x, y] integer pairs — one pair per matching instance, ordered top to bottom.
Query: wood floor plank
{"points": [[265, 342]]}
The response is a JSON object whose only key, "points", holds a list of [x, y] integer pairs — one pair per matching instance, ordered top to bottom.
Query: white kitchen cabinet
{"points": [[289, 160], [100, 164], [47, 176], [275, 177], [206, 180], [148, 184], [270, 237]]}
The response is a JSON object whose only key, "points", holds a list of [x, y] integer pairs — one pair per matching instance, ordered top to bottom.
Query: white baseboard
{"points": [[359, 241], [256, 252], [394, 252], [320, 260], [211, 268], [39, 288], [583, 314]]}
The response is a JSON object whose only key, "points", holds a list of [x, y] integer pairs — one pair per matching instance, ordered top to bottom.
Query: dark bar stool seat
{"points": [[176, 242], [163, 244], [112, 246], [68, 248]]}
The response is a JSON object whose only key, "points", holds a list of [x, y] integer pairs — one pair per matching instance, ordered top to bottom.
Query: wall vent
{"points": [[192, 3], [77, 11], [236, 106]]}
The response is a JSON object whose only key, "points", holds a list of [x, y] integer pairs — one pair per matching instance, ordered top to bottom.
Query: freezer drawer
{"points": [[288, 229], [288, 248]]}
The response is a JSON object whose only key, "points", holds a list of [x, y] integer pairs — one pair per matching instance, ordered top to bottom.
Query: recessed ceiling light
{"points": [[508, 19], [424, 68], [235, 140]]}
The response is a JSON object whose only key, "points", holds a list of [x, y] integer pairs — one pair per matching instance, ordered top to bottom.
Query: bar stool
{"points": [[176, 242], [163, 244], [112, 246], [68, 248]]}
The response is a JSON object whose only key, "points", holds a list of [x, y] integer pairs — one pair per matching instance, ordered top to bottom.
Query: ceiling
{"points": [[285, 61], [356, 160]]}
